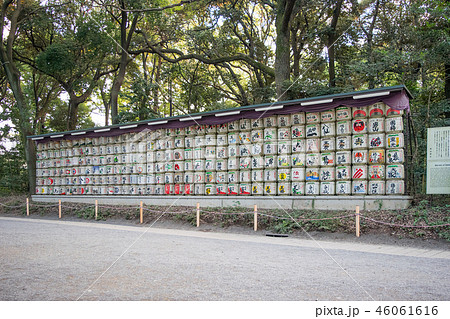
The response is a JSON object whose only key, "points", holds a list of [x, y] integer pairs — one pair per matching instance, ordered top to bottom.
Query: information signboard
{"points": [[438, 160]]}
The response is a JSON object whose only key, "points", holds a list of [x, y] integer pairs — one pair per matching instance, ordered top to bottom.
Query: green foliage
{"points": [[13, 175]]}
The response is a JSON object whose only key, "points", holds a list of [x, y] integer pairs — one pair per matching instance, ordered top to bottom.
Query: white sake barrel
{"points": [[377, 110], [360, 112], [391, 112], [343, 113], [328, 116], [312, 117], [298, 118], [284, 120], [270, 121], [257, 123], [394, 124], [245, 125], [376, 125], [233, 126], [359, 126], [222, 128], [200, 129], [211, 129], [328, 129], [312, 130], [179, 131], [189, 131], [298, 131], [168, 132], [284, 133], [270, 134], [245, 137], [233, 138], [210, 140], [376, 140], [394, 140], [199, 141], [360, 141], [179, 142], [189, 142], [222, 142], [327, 144], [160, 145], [312, 145], [151, 146], [298, 146], [124, 147], [141, 147], [284, 147], [270, 148], [256, 149], [233, 150], [244, 150], [199, 152], [210, 152], [178, 154], [188, 154], [160, 156], [376, 156], [395, 156], [360, 157], [139, 158], [343, 158], [110, 159], [312, 159], [327, 159], [89, 160], [298, 160], [270, 161], [283, 161], [245, 162], [257, 162], [233, 163], [199, 165], [210, 165], [221, 165], [178, 166], [159, 167], [168, 167], [75, 171], [395, 171], [359, 172], [376, 172], [298, 174], [312, 174], [327, 174], [257, 175], [270, 175], [284, 175], [233, 176], [245, 176], [199, 177], [210, 177], [221, 177], [134, 178], [188, 178], [117, 179], [141, 179], [150, 179], [343, 187], [359, 187], [376, 187], [395, 187], [270, 188], [298, 188], [312, 188], [327, 188], [159, 189], [169, 189], [189, 189], [222, 189], [233, 189], [257, 189], [284, 189], [140, 190], [150, 190]]}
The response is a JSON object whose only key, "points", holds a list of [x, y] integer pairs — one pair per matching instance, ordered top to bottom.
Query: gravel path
{"points": [[62, 260]]}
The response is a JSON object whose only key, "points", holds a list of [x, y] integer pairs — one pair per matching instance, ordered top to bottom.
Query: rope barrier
{"points": [[52, 205], [7, 206], [403, 226]]}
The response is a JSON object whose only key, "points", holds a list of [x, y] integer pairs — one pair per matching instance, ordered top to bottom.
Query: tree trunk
{"points": [[332, 37], [447, 81], [72, 118]]}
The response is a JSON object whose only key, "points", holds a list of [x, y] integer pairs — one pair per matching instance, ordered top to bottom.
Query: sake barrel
{"points": [[377, 110], [359, 112], [391, 112], [343, 113], [328, 116], [312, 117], [298, 118], [284, 120], [270, 121], [257, 123], [394, 124], [245, 125], [376, 125], [233, 126], [359, 126], [222, 128], [200, 129], [211, 129], [328, 129], [312, 130], [179, 131], [298, 131], [284, 133], [270, 134], [257, 136], [245, 137], [233, 138], [210, 140], [222, 140], [376, 140], [394, 140], [199, 141], [360, 141], [179, 142], [189, 142], [327, 144], [160, 145], [298, 145], [312, 145], [284, 147], [270, 148], [256, 149], [233, 150], [244, 150], [199, 152], [210, 152], [188, 154], [178, 155], [168, 156], [360, 156], [376, 156], [395, 156], [343, 158], [312, 159], [327, 159], [298, 160], [270, 161], [245, 162], [257, 162], [233, 163], [210, 164], [188, 165], [199, 165], [221, 165], [178, 166], [169, 167], [138, 169], [395, 171], [359, 172], [376, 172], [298, 174], [312, 174], [327, 174], [257, 175], [270, 175], [284, 175], [233, 176], [199, 177], [210, 177], [221, 177], [134, 178], [188, 178], [141, 179], [150, 179], [343, 187], [359, 187], [376, 187], [395, 187], [284, 188], [298, 188], [312, 188], [327, 188], [159, 189], [169, 189], [178, 189], [189, 189], [210, 189], [222, 189], [233, 189], [245, 189], [257, 189], [270, 189], [149, 190]]}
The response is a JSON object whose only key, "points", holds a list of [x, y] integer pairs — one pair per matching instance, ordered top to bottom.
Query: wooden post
{"points": [[28, 206], [59, 208], [96, 209], [141, 213], [198, 214], [255, 217], [357, 221]]}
